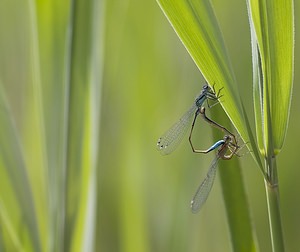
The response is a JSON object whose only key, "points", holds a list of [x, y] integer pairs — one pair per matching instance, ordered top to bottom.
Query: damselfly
{"points": [[169, 141], [228, 148]]}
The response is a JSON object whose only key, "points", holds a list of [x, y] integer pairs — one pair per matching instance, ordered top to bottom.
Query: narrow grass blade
{"points": [[257, 88]]}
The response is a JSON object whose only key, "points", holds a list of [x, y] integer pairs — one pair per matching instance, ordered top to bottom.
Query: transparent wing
{"points": [[169, 141], [204, 189]]}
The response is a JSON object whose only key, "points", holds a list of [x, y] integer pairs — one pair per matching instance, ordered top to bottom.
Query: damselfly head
{"points": [[205, 86], [227, 138]]}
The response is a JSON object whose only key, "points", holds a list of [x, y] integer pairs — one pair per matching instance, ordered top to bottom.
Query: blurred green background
{"points": [[147, 82]]}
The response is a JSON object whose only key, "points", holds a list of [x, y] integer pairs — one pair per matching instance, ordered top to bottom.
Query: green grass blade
{"points": [[272, 22], [257, 88], [83, 125], [237, 210]]}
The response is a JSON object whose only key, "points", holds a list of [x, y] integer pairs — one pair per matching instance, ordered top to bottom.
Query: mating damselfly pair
{"points": [[227, 147]]}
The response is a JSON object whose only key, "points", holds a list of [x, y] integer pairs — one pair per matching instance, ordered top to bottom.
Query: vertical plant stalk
{"points": [[272, 33], [271, 180], [272, 191]]}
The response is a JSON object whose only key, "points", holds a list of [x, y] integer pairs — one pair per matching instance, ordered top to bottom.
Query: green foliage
{"points": [[273, 54], [50, 125], [54, 196]]}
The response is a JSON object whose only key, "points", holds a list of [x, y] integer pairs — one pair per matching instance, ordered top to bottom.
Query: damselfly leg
{"points": [[201, 111]]}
